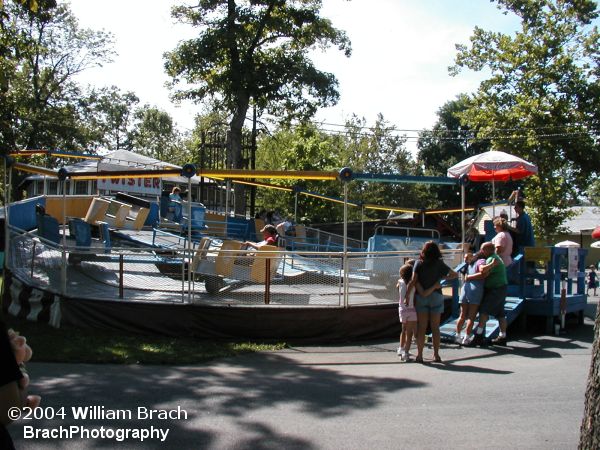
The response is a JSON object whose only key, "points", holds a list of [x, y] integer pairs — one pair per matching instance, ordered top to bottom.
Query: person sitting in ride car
{"points": [[269, 238]]}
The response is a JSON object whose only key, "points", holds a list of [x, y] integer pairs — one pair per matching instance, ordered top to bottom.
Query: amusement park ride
{"points": [[123, 262]]}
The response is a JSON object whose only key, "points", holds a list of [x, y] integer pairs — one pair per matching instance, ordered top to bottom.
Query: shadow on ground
{"points": [[240, 387]]}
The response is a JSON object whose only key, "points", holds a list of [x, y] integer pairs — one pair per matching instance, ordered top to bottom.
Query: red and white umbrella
{"points": [[493, 166], [596, 235]]}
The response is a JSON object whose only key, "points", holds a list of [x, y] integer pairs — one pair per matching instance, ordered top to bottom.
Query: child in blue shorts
{"points": [[470, 296]]}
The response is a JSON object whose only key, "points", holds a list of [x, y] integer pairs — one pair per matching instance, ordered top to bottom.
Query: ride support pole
{"points": [[32, 258], [121, 276], [268, 281]]}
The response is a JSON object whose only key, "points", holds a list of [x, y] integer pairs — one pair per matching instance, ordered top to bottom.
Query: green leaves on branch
{"points": [[255, 53], [541, 100]]}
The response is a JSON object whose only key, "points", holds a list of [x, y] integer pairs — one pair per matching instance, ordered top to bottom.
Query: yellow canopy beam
{"points": [[35, 169], [264, 174], [265, 185], [391, 208], [447, 211]]}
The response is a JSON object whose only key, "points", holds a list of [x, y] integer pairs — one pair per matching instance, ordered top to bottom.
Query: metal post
{"points": [[227, 187], [7, 189], [160, 189], [493, 199], [296, 208], [462, 216], [362, 225], [189, 239], [345, 261], [63, 269], [121, 275], [268, 281]]}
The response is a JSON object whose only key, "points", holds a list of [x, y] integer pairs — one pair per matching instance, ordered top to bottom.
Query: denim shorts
{"points": [[470, 296], [433, 303]]}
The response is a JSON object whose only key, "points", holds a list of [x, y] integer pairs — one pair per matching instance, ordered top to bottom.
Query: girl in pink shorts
{"points": [[407, 311]]}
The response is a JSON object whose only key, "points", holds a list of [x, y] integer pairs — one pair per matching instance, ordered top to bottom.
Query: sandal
{"points": [[419, 359], [437, 359]]}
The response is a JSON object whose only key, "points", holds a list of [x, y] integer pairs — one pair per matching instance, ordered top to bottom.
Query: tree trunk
{"points": [[235, 150], [590, 426]]}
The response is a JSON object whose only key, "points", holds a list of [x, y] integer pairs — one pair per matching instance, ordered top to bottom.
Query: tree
{"points": [[43, 49], [255, 52], [541, 100], [109, 115], [154, 135], [449, 142], [302, 147], [371, 149], [379, 149], [593, 192], [590, 425]]}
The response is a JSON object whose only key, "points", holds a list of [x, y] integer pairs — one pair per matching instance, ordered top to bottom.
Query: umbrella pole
{"points": [[493, 199], [462, 217]]}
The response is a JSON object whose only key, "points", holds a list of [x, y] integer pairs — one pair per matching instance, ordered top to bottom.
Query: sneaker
{"points": [[459, 339], [466, 341], [501, 341], [400, 351], [403, 357], [406, 357]]}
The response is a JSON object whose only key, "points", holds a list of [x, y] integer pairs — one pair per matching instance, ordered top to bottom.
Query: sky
{"points": [[401, 51]]}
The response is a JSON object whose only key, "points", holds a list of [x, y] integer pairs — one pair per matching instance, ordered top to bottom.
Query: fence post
{"points": [[345, 255], [32, 258], [63, 270], [121, 276], [268, 281]]}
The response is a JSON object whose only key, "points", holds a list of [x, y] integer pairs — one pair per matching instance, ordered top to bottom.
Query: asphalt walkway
{"points": [[356, 396]]}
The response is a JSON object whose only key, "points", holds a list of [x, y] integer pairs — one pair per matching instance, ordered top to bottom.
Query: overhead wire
{"points": [[411, 135]]}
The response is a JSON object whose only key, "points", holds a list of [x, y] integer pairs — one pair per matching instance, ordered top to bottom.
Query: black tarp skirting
{"points": [[270, 323]]}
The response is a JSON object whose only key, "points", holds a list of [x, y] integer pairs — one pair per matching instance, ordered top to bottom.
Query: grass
{"points": [[74, 345]]}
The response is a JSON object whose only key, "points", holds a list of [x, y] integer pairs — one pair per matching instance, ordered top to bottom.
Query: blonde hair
{"points": [[502, 223]]}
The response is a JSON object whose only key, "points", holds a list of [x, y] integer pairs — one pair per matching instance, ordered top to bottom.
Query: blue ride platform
{"points": [[545, 281]]}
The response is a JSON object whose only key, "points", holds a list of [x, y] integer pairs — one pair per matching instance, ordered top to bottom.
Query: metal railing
{"points": [[207, 274]]}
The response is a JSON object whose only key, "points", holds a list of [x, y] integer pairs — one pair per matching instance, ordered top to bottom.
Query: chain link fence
{"points": [[211, 273]]}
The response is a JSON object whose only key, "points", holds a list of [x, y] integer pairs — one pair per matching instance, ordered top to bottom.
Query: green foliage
{"points": [[42, 49], [255, 52], [541, 101], [109, 115], [211, 122], [154, 135], [449, 142], [300, 148], [376, 149], [379, 149], [554, 189], [593, 192]]}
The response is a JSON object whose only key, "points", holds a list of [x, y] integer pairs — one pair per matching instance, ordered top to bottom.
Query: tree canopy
{"points": [[43, 48], [255, 52], [541, 100], [447, 143], [373, 149]]}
